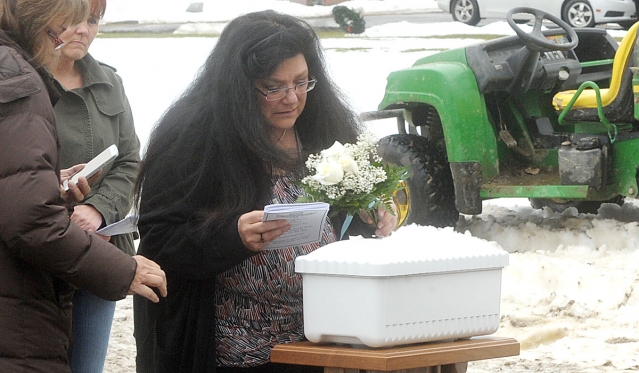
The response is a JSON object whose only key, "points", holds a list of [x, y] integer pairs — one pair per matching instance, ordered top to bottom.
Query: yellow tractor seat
{"points": [[588, 99]]}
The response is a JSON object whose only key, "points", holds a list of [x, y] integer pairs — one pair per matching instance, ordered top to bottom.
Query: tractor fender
{"points": [[451, 88]]}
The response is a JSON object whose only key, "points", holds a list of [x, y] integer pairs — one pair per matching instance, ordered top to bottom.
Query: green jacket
{"points": [[90, 119]]}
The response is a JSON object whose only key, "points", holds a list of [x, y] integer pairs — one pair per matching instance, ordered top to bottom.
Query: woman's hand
{"points": [[77, 192], [88, 218], [386, 222], [257, 234], [148, 274]]}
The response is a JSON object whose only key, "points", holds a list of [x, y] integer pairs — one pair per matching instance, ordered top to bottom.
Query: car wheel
{"points": [[466, 11], [578, 13], [429, 191], [584, 207]]}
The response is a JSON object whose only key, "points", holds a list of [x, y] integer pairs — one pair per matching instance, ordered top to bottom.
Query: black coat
{"points": [[178, 334]]}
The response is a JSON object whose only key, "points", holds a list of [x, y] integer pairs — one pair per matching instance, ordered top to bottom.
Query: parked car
{"points": [[577, 13]]}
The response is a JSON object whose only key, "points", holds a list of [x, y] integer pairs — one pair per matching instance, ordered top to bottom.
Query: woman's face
{"points": [[78, 38], [281, 114]]}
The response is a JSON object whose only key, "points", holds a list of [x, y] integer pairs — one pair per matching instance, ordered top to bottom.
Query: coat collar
{"points": [[92, 72], [99, 79]]}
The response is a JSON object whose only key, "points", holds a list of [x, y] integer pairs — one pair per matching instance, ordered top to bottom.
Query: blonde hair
{"points": [[98, 7], [26, 22]]}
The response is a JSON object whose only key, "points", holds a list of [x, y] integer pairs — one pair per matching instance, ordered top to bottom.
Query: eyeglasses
{"points": [[57, 42], [280, 93]]}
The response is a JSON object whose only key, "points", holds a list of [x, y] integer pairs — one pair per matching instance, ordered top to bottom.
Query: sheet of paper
{"points": [[306, 219], [126, 225]]}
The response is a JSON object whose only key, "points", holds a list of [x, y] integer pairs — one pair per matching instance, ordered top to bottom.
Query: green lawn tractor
{"points": [[550, 115]]}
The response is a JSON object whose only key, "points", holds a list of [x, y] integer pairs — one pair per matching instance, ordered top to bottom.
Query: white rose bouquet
{"points": [[353, 177]]}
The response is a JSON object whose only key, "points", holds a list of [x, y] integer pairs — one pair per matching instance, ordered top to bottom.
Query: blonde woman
{"points": [[93, 112]]}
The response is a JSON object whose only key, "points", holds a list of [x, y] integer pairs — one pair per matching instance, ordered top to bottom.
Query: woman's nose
{"points": [[82, 28], [291, 96]]}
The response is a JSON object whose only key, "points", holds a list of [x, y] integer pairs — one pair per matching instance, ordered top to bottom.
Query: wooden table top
{"points": [[395, 358]]}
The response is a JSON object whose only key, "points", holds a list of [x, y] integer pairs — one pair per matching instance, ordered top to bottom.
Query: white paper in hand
{"points": [[306, 219], [126, 225]]}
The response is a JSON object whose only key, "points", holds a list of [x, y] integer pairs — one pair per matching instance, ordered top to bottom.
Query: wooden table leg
{"points": [[455, 368], [341, 370]]}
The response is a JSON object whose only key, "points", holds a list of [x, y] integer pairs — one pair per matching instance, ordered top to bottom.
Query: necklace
{"points": [[281, 137], [298, 144]]}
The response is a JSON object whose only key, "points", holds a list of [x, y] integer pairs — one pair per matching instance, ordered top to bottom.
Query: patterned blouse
{"points": [[259, 302]]}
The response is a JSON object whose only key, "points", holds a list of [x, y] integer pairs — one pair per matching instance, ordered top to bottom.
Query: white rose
{"points": [[335, 150], [348, 163], [329, 173]]}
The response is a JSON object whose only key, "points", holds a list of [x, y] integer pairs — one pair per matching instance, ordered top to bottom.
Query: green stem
{"points": [[373, 215]]}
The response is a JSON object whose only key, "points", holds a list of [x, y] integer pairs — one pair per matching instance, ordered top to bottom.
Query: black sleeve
{"points": [[357, 226], [181, 246]]}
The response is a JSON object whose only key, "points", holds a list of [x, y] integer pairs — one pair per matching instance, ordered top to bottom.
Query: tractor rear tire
{"points": [[430, 189]]}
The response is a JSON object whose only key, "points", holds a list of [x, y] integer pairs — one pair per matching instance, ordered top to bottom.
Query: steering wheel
{"points": [[535, 40], [525, 63]]}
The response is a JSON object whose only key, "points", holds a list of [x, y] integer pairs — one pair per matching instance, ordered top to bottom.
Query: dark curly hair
{"points": [[211, 149]]}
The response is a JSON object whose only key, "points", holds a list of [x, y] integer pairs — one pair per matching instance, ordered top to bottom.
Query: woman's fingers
{"points": [[257, 234], [148, 275]]}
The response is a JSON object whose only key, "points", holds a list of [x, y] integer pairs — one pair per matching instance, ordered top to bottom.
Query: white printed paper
{"points": [[306, 219]]}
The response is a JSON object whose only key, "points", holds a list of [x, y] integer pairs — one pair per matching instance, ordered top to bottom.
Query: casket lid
{"points": [[410, 250]]}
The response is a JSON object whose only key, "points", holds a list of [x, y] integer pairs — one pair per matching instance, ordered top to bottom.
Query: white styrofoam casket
{"points": [[420, 284]]}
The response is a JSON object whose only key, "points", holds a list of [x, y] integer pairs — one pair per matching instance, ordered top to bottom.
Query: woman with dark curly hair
{"points": [[235, 141]]}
